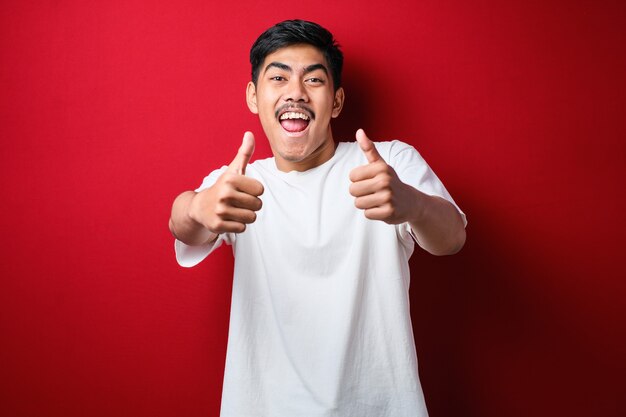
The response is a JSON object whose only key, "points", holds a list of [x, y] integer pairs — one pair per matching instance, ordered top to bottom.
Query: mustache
{"points": [[295, 107]]}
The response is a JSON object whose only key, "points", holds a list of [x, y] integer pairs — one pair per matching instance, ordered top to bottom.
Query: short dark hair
{"points": [[292, 32]]}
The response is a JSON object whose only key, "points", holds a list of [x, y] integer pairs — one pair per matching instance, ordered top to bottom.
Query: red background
{"points": [[108, 110]]}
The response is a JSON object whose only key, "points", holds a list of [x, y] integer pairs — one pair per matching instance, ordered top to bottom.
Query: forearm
{"points": [[437, 224], [183, 227]]}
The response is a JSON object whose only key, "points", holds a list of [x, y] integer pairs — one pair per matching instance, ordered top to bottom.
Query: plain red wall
{"points": [[109, 109]]}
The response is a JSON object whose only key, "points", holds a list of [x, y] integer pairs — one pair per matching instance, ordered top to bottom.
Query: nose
{"points": [[296, 91]]}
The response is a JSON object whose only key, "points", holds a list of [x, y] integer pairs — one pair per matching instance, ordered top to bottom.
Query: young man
{"points": [[322, 234]]}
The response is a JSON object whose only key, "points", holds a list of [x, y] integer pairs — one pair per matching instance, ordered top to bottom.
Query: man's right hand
{"points": [[232, 202]]}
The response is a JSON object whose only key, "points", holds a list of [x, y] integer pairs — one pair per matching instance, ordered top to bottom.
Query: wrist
{"points": [[416, 212]]}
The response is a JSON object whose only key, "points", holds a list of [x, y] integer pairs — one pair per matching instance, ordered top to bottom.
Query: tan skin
{"points": [[296, 76]]}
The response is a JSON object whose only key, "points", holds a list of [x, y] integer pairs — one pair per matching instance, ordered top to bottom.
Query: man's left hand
{"points": [[378, 190]]}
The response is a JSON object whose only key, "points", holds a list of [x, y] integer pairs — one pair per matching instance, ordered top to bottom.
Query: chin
{"points": [[292, 148], [293, 156]]}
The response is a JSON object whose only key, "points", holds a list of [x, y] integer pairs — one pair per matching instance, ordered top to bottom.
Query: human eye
{"points": [[277, 78], [315, 81]]}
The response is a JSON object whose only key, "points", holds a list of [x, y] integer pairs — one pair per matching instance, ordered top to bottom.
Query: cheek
{"points": [[266, 99], [325, 111], [266, 112], [324, 115]]}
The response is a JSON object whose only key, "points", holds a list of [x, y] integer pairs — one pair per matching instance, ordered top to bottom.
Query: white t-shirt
{"points": [[320, 322]]}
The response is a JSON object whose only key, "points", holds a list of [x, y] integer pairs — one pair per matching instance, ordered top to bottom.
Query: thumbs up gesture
{"points": [[377, 189], [232, 202]]}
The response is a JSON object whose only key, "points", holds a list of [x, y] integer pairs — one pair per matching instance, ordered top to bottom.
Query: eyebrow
{"points": [[287, 68]]}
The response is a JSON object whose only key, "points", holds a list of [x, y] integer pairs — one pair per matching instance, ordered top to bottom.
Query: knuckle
{"points": [[380, 163], [385, 167], [223, 179], [229, 179], [384, 182], [225, 196], [220, 210], [388, 212], [370, 214], [244, 216], [215, 225]]}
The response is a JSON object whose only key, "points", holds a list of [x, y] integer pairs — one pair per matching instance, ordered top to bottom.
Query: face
{"points": [[295, 101]]}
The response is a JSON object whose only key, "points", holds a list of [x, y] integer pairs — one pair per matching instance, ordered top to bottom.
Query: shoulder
{"points": [[391, 151], [266, 165], [254, 170], [210, 179]]}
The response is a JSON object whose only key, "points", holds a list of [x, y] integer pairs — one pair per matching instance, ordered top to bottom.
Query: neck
{"points": [[320, 155]]}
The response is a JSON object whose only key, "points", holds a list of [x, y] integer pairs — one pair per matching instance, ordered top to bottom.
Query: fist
{"points": [[376, 188], [232, 202]]}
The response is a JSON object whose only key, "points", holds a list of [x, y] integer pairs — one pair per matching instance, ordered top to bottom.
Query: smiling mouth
{"points": [[294, 119]]}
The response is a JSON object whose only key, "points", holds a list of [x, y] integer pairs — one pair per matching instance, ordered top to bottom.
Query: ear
{"points": [[251, 97], [338, 102]]}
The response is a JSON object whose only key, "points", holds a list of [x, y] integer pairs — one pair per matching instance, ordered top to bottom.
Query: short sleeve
{"points": [[412, 169], [210, 179], [188, 256]]}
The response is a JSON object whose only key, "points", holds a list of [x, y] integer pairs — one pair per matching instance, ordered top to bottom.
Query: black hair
{"points": [[292, 32]]}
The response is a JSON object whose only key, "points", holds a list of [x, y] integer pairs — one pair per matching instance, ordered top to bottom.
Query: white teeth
{"points": [[293, 115]]}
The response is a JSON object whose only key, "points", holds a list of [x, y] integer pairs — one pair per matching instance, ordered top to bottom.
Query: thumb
{"points": [[367, 146], [238, 165]]}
